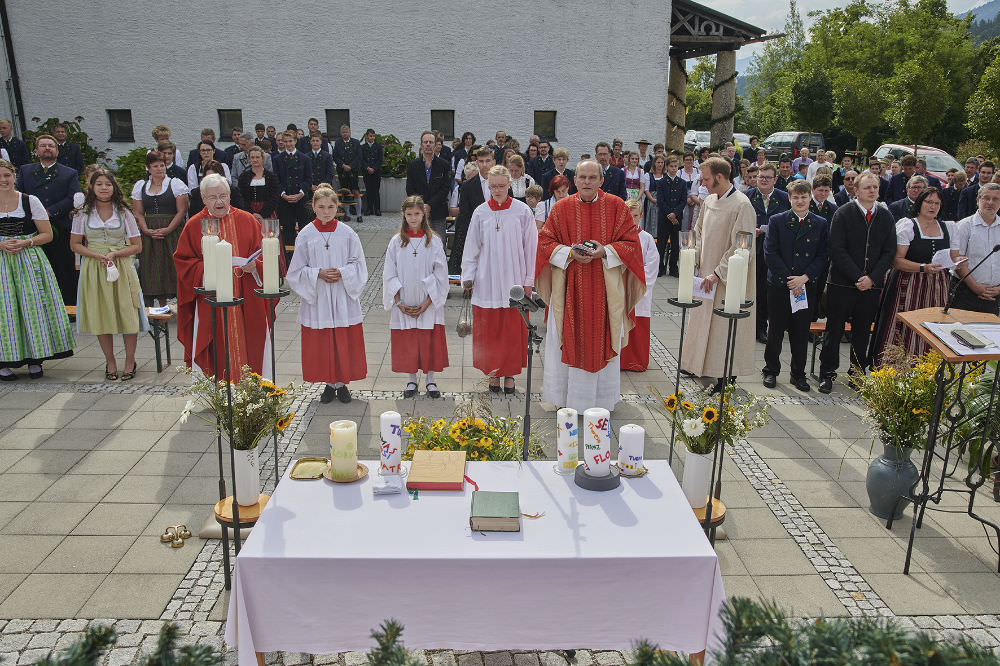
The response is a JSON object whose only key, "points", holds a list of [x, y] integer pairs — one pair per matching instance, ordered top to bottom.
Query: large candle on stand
{"points": [[208, 244], [270, 249], [223, 272], [685, 283], [736, 285], [391, 430], [597, 441], [631, 445], [567, 447], [343, 450]]}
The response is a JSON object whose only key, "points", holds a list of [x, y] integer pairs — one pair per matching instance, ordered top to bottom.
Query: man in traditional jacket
{"points": [[589, 292]]}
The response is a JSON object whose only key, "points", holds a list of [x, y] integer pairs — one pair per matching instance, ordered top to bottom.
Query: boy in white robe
{"points": [[635, 355]]}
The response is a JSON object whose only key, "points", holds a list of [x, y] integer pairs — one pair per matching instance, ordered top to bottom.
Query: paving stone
{"points": [[925, 622], [949, 622], [44, 625], [73, 625], [16, 626], [983, 637], [46, 640], [129, 640], [14, 642], [121, 656], [295, 658], [355, 658], [583, 658], [609, 658], [325, 659], [467, 659], [497, 659], [525, 659], [552, 659]]}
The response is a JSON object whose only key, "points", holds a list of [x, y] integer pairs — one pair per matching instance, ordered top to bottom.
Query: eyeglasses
{"points": [[762, 177], [212, 198]]}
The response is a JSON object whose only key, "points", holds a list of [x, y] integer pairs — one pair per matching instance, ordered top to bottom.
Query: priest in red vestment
{"points": [[589, 294], [248, 334]]}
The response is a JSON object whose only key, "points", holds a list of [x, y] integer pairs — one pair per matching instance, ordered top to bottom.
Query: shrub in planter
{"points": [[396, 156]]}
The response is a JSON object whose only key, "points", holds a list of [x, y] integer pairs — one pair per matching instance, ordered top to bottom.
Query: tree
{"points": [[770, 74], [699, 94], [918, 97], [984, 107], [809, 108]]}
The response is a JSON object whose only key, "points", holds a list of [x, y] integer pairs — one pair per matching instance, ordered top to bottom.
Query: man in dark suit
{"points": [[258, 130], [207, 134], [304, 143], [499, 146], [442, 147], [16, 149], [232, 151], [69, 153], [347, 158], [559, 159], [320, 163], [538, 166], [371, 167], [294, 172], [785, 175], [430, 178], [614, 178], [932, 180], [899, 182], [54, 184], [472, 193], [847, 194], [671, 198], [967, 198], [767, 201], [823, 205], [901, 208], [862, 248]]}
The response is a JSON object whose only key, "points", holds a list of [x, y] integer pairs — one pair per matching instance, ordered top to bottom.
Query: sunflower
{"points": [[268, 385], [277, 393], [671, 402], [687, 405], [709, 415], [283, 422]]}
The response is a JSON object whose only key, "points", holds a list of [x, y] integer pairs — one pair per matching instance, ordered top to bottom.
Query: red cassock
{"points": [[247, 322], [586, 327], [635, 355]]}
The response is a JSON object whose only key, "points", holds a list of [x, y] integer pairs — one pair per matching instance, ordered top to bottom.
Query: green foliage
{"points": [[986, 30], [769, 78], [811, 92], [699, 94], [918, 97], [984, 107], [74, 133], [974, 147], [396, 156], [131, 167], [761, 634], [90, 649], [87, 651], [388, 651]]}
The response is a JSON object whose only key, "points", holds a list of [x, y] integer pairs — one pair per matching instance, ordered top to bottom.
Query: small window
{"points": [[229, 119], [334, 119], [444, 121], [120, 123], [545, 125]]}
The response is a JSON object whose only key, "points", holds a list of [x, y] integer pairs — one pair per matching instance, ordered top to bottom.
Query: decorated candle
{"points": [[208, 244], [270, 248], [223, 272], [685, 281], [736, 284], [391, 431], [567, 431], [597, 441], [631, 443], [343, 450]]}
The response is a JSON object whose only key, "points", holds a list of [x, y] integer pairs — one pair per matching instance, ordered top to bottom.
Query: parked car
{"points": [[695, 140], [789, 143], [938, 161]]}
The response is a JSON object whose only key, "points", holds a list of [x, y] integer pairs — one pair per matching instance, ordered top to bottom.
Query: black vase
{"points": [[889, 480]]}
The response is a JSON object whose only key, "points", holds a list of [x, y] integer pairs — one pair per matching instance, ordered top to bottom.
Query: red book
{"points": [[437, 470]]}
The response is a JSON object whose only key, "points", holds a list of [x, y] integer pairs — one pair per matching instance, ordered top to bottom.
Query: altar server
{"points": [[499, 253], [328, 272], [414, 290], [635, 355]]}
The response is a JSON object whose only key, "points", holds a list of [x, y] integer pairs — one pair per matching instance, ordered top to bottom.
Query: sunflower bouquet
{"points": [[899, 397], [259, 406], [699, 424]]}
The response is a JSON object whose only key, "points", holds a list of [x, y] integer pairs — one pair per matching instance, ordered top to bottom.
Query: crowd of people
{"points": [[832, 240]]}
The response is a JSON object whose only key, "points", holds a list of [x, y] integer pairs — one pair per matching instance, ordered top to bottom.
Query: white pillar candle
{"points": [[208, 244], [270, 249], [223, 272], [685, 283], [736, 285], [391, 430], [567, 440], [597, 441], [631, 444], [343, 450]]}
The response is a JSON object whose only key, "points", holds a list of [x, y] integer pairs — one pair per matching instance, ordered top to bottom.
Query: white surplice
{"points": [[500, 250], [651, 264], [415, 272], [325, 304]]}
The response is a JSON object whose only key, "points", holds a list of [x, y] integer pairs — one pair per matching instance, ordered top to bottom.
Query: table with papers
{"points": [[327, 563]]}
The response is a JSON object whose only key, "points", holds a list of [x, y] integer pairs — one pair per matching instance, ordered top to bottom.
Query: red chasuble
{"points": [[247, 322], [587, 339]]}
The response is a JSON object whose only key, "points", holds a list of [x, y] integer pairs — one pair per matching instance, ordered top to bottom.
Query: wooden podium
{"points": [[943, 442]]}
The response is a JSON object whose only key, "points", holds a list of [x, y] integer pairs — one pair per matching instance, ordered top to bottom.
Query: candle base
{"points": [[202, 291], [281, 293], [224, 304], [683, 304], [731, 315], [559, 469], [360, 472], [600, 483]]}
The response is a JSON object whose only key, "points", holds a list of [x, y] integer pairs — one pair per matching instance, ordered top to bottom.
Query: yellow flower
{"points": [[276, 392], [671, 402], [687, 405], [709, 415], [282, 423], [473, 455]]}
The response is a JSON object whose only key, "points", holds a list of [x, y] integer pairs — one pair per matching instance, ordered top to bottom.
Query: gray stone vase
{"points": [[890, 478]]}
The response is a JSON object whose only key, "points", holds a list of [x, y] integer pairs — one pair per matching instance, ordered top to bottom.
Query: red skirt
{"points": [[499, 341], [419, 349], [333, 355], [635, 355]]}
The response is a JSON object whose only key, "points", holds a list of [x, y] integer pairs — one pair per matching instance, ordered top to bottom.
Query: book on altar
{"points": [[437, 470], [495, 512]]}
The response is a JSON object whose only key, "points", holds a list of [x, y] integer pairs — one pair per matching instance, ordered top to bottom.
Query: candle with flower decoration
{"points": [[597, 441], [392, 443], [567, 443], [631, 444], [343, 450]]}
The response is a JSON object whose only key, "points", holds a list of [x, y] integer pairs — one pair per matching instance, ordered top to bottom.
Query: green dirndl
{"points": [[109, 307], [33, 322]]}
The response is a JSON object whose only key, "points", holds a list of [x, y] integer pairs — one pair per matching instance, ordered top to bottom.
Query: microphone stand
{"points": [[954, 290], [534, 342]]}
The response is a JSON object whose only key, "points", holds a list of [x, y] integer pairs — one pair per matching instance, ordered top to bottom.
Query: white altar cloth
{"points": [[326, 563]]}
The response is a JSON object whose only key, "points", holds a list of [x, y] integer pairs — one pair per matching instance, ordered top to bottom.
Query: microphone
{"points": [[951, 296], [518, 299], [537, 299]]}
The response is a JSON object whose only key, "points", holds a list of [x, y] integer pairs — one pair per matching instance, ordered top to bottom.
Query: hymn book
{"points": [[437, 470], [495, 512]]}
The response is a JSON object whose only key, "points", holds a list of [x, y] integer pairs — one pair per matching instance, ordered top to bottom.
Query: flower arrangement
{"points": [[899, 397], [259, 406], [697, 420]]}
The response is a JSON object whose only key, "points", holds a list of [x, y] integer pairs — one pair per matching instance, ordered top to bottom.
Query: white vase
{"points": [[247, 468], [697, 481]]}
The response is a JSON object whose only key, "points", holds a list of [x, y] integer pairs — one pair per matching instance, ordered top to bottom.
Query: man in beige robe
{"points": [[725, 212]]}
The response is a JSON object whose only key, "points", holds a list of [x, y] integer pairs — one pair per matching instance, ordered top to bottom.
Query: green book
{"points": [[495, 512]]}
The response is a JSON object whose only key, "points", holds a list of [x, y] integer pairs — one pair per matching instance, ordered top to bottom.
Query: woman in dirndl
{"points": [[160, 205], [914, 282], [109, 299], [34, 326]]}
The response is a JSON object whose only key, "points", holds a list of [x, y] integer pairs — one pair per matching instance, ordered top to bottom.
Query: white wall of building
{"points": [[389, 63]]}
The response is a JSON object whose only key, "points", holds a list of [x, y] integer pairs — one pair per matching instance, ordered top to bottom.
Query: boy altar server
{"points": [[635, 355]]}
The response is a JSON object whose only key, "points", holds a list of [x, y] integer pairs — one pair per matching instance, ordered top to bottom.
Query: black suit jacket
{"points": [[304, 144], [17, 150], [347, 153], [71, 156], [194, 157], [371, 157], [538, 166], [321, 167], [551, 173], [614, 182], [272, 192], [435, 193], [56, 194], [470, 197], [841, 198], [967, 201], [900, 209], [858, 249]]}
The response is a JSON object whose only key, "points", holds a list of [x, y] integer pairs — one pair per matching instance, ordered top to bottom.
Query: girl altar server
{"points": [[328, 272], [414, 290], [635, 355]]}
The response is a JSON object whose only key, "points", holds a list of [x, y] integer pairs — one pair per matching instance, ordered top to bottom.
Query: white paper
{"points": [[943, 259], [699, 290], [799, 302], [943, 332]]}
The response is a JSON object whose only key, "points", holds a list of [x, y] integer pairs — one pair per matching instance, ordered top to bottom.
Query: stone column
{"points": [[723, 98], [676, 106]]}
